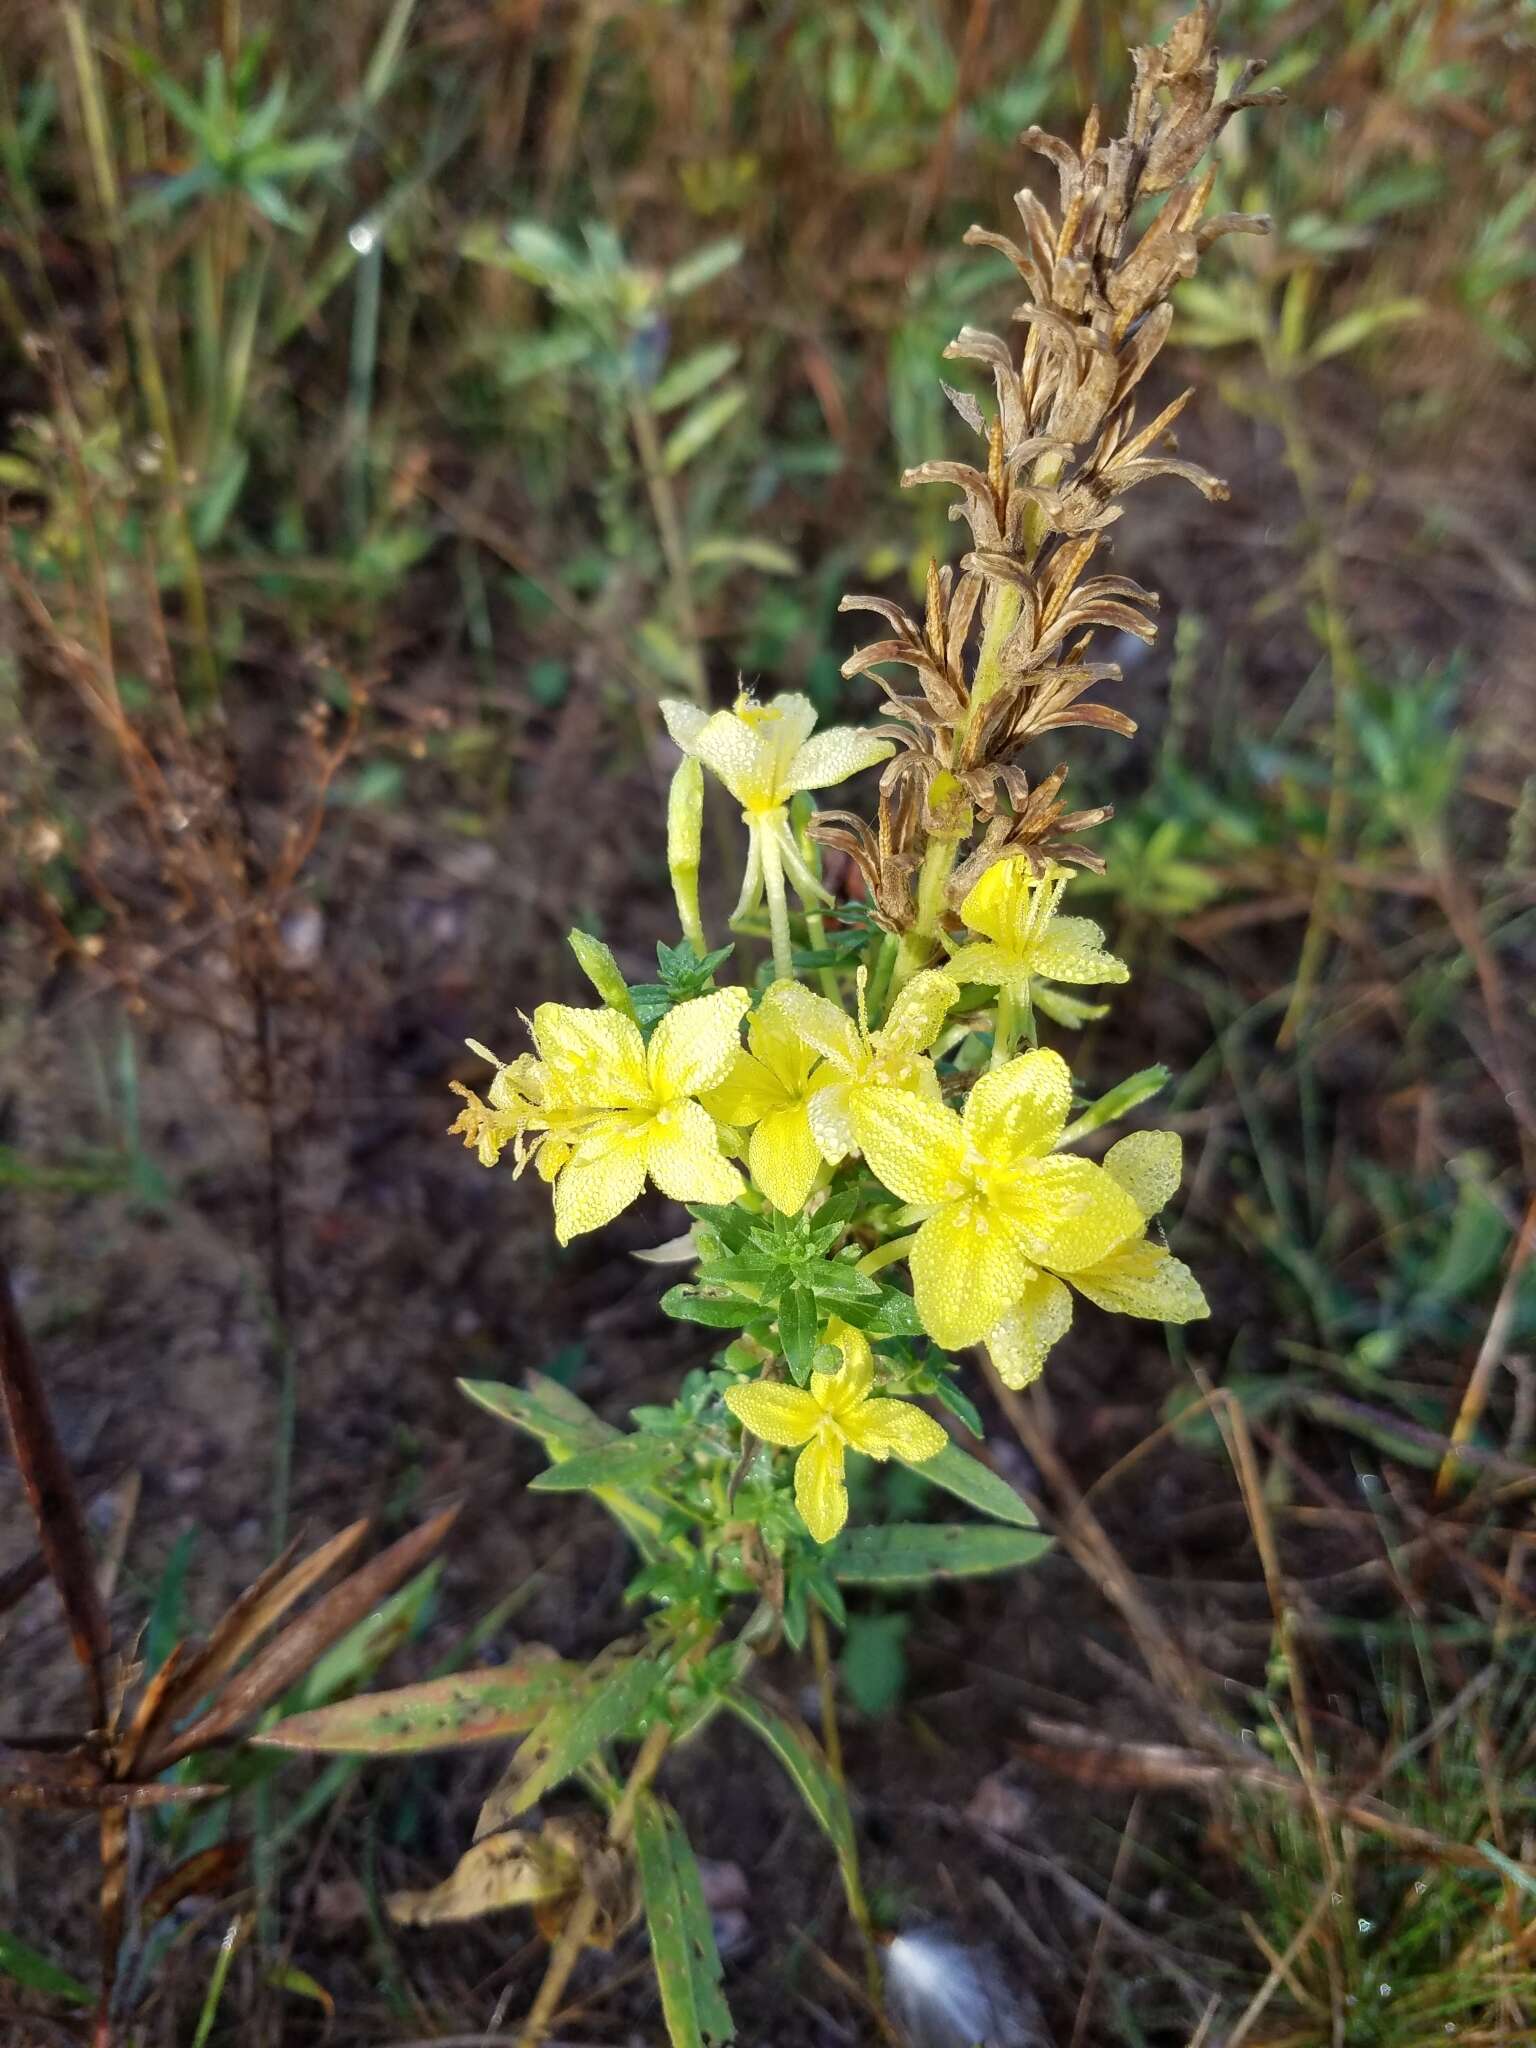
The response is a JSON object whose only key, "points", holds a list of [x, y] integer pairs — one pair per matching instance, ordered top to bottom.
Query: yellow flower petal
{"points": [[684, 722], [783, 725], [832, 757], [743, 761], [998, 905], [1072, 949], [987, 963], [917, 1015], [823, 1025], [775, 1040], [695, 1045], [595, 1057], [749, 1091], [1018, 1111], [832, 1120], [916, 1148], [682, 1155], [785, 1158], [1149, 1166], [592, 1190], [1067, 1213], [966, 1270], [1142, 1279], [1041, 1315], [841, 1392], [778, 1414], [885, 1429], [820, 1494]]}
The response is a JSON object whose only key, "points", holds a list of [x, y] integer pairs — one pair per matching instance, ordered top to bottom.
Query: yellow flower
{"points": [[765, 754], [1016, 911], [859, 1061], [770, 1090], [516, 1103], [618, 1109], [998, 1204], [1136, 1278], [835, 1414]]}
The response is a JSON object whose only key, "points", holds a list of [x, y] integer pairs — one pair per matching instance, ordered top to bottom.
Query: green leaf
{"points": [[702, 267], [1359, 327], [694, 374], [700, 427], [722, 551], [597, 963], [1121, 1099], [714, 1311], [894, 1315], [797, 1329], [960, 1405], [563, 1423], [631, 1461], [957, 1472], [911, 1553], [349, 1663], [874, 1663], [440, 1713], [572, 1733], [796, 1750], [1517, 1873], [33, 1969], [688, 1970]]}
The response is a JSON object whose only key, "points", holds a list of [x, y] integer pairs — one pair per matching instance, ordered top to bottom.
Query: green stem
{"points": [[669, 530], [778, 907], [918, 945], [880, 979], [1005, 1030], [887, 1254]]}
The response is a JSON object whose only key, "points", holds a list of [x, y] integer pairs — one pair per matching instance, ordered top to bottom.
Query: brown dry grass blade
{"points": [[50, 1486], [263, 1603], [276, 1667], [209, 1874]]}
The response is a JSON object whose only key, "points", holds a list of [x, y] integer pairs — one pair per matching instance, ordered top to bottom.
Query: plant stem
{"points": [[669, 529], [778, 905], [917, 945], [1005, 1031], [832, 1743], [566, 1952]]}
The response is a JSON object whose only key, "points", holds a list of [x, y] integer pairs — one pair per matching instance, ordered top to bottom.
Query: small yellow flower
{"points": [[765, 754], [1024, 936], [860, 1061], [770, 1089], [516, 1103], [618, 1109], [998, 1204], [1136, 1278], [835, 1414]]}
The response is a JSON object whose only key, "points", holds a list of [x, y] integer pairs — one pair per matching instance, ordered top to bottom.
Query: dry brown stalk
{"points": [[1002, 655]]}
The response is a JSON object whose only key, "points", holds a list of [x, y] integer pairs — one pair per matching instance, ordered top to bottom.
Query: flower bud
{"points": [[685, 823], [602, 970]]}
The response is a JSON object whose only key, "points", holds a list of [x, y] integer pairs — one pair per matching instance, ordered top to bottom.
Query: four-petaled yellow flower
{"points": [[765, 754], [1024, 937], [860, 1062], [770, 1089], [618, 1109], [998, 1205], [1137, 1278], [837, 1413]]}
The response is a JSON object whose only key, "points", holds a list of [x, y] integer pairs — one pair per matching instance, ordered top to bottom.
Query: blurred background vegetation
{"points": [[401, 396]]}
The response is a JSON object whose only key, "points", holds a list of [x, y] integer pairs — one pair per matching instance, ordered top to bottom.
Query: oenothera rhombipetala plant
{"points": [[883, 1163]]}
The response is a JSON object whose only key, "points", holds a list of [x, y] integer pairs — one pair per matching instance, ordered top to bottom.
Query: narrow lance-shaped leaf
{"points": [[957, 1472], [912, 1553], [441, 1713], [570, 1735], [687, 1963]]}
